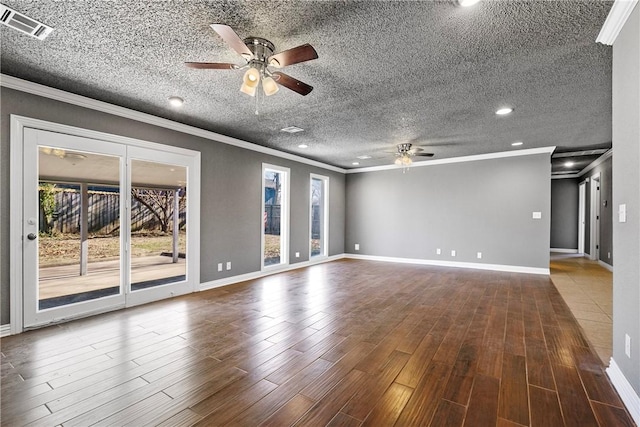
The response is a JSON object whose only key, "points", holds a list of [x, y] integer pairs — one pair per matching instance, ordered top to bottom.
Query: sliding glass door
{"points": [[105, 226]]}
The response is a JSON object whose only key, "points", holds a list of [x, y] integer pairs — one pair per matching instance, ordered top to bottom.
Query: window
{"points": [[319, 212], [275, 216]]}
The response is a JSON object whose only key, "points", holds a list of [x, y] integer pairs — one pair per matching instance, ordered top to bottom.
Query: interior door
{"points": [[65, 271]]}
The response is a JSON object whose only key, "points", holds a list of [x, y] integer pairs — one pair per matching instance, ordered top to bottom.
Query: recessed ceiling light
{"points": [[467, 3], [176, 101], [504, 111], [292, 129], [515, 144], [303, 146], [365, 157], [355, 163], [568, 164]]}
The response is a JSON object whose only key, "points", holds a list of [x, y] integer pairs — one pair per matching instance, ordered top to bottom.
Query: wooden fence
{"points": [[104, 213]]}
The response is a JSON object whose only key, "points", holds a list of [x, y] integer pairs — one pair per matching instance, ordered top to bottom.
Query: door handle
{"points": [[31, 236]]}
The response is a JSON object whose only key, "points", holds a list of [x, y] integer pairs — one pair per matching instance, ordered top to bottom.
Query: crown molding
{"points": [[616, 19], [15, 83], [462, 159], [596, 162]]}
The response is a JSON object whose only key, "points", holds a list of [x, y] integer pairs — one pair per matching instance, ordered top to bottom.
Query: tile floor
{"points": [[587, 288]]}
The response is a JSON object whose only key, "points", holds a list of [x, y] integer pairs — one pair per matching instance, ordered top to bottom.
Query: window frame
{"points": [[284, 216], [324, 233]]}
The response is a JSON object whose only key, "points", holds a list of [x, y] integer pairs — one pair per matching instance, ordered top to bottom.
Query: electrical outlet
{"points": [[536, 215], [357, 246], [438, 251], [453, 253], [297, 254], [479, 255], [228, 265], [219, 266], [627, 345]]}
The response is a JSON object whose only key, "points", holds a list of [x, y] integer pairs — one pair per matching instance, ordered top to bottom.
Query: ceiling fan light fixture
{"points": [[251, 77], [269, 86], [249, 90], [406, 160], [398, 162]]}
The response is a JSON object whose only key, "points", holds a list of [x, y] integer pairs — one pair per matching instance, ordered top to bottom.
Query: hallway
{"points": [[587, 288]]}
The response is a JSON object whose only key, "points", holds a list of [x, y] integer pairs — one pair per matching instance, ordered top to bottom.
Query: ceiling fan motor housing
{"points": [[262, 49]]}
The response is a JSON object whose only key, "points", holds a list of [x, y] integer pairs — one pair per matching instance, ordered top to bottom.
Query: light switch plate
{"points": [[622, 213], [537, 215], [357, 246], [297, 254], [228, 265]]}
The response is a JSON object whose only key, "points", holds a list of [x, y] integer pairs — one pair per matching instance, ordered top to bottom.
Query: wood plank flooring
{"points": [[349, 343]]}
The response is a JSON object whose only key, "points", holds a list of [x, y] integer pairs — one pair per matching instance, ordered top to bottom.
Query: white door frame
{"points": [[582, 190], [325, 215], [284, 217], [594, 235], [16, 259]]}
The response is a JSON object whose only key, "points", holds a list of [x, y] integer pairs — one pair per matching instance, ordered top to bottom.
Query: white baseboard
{"points": [[564, 251], [473, 265], [605, 265], [258, 274], [5, 330], [628, 395]]}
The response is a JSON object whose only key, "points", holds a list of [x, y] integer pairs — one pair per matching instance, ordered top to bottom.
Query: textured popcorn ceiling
{"points": [[388, 72]]}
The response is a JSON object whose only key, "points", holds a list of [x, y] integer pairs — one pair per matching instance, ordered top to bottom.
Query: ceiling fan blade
{"points": [[232, 39], [306, 52], [212, 65], [294, 84], [424, 154]]}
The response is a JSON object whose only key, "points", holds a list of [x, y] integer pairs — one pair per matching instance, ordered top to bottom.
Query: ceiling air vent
{"points": [[23, 23]]}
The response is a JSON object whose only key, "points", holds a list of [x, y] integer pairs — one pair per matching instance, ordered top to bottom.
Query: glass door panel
{"points": [[158, 224], [72, 249]]}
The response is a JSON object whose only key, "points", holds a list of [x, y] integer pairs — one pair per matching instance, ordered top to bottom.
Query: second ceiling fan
{"points": [[258, 53]]}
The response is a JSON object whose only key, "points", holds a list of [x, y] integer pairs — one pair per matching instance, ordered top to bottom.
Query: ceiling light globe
{"points": [[251, 77], [269, 86], [249, 90], [176, 101], [406, 160], [398, 162]]}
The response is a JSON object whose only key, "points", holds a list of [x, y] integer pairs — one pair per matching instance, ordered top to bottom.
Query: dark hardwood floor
{"points": [[346, 343]]}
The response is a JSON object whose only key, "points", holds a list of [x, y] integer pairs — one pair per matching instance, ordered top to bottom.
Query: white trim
{"points": [[616, 19], [70, 98], [462, 159], [595, 163], [565, 176], [15, 225], [564, 251], [473, 265], [605, 265], [259, 274], [5, 330], [628, 395]]}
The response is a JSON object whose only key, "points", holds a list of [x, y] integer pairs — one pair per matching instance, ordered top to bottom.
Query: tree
{"points": [[47, 195], [160, 204]]}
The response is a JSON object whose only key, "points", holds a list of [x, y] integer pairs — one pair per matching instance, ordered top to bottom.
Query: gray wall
{"points": [[231, 177], [626, 189], [480, 206], [606, 209], [564, 213]]}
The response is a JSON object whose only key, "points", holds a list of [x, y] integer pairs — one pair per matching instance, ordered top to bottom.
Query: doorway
{"points": [[582, 192], [105, 224], [594, 234]]}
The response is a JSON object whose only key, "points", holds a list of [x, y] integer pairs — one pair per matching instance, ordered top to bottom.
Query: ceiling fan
{"points": [[258, 53], [406, 152]]}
